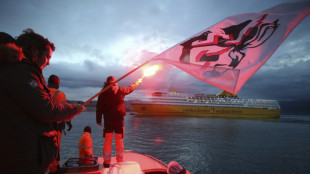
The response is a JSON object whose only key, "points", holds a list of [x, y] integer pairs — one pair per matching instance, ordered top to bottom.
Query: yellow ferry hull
{"points": [[205, 111]]}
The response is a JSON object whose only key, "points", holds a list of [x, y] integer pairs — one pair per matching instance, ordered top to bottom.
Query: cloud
{"points": [[101, 38]]}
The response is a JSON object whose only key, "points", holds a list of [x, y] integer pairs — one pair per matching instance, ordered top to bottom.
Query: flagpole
{"points": [[89, 100]]}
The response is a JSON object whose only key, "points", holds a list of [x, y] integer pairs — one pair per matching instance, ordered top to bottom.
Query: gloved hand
{"points": [[140, 80], [80, 108], [68, 123], [70, 127]]}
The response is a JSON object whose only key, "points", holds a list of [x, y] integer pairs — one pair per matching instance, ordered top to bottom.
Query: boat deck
{"points": [[147, 164]]}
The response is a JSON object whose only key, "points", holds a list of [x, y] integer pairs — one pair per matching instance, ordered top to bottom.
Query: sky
{"points": [[98, 38]]}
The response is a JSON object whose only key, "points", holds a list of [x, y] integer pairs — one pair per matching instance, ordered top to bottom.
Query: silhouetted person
{"points": [[111, 105], [28, 139]]}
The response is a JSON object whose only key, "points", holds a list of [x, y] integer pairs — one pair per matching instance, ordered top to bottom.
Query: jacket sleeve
{"points": [[129, 89], [31, 95], [99, 109], [69, 124]]}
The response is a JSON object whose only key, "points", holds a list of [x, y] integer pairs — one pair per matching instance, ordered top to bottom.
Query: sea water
{"points": [[209, 145]]}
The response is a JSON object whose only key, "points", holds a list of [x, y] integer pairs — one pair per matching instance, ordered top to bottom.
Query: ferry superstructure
{"points": [[172, 103]]}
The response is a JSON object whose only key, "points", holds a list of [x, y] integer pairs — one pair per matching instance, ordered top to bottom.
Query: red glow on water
{"points": [[136, 123], [158, 140]]}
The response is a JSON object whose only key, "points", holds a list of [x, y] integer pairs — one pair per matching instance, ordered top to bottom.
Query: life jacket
{"points": [[58, 96]]}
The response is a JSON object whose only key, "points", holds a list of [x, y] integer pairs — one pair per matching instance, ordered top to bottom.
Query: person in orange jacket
{"points": [[58, 97], [111, 105], [86, 147]]}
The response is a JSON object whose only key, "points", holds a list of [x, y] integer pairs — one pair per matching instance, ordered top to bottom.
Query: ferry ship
{"points": [[172, 103]]}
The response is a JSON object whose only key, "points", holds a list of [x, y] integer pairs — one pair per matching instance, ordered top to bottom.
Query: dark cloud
{"points": [[86, 74], [287, 83]]}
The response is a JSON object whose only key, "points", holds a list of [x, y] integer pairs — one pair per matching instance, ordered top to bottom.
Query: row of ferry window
{"points": [[232, 99], [250, 104]]}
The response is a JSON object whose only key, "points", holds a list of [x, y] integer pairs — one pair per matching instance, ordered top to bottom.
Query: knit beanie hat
{"points": [[111, 79], [53, 81], [87, 129]]}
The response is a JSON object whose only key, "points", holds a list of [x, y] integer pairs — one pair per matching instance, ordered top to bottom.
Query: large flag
{"points": [[227, 54]]}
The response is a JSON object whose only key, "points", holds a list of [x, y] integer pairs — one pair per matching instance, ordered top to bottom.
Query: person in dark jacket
{"points": [[111, 105], [28, 141]]}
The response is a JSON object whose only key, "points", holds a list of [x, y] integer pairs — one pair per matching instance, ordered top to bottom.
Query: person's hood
{"points": [[10, 53], [113, 89]]}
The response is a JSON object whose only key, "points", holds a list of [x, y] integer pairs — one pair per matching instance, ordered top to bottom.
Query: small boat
{"points": [[134, 163]]}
